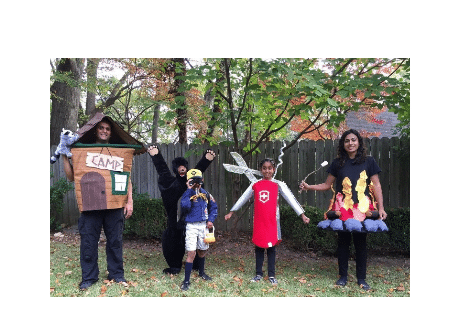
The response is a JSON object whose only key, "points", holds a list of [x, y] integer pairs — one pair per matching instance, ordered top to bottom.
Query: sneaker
{"points": [[205, 277], [256, 279], [273, 280], [342, 281], [362, 283], [84, 285], [185, 285]]}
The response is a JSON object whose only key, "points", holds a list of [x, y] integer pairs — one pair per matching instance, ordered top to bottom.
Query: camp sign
{"points": [[104, 162]]}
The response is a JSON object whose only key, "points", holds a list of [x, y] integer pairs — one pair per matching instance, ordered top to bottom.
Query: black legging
{"points": [[359, 240], [259, 253]]}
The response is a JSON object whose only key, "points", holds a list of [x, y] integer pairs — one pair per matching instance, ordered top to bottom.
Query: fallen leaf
{"points": [[67, 273], [237, 279], [103, 289], [164, 294]]}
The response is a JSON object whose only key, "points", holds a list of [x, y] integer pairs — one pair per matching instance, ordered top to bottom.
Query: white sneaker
{"points": [[256, 279], [273, 280]]}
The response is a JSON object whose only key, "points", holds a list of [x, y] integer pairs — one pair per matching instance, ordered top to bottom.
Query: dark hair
{"points": [[106, 121], [360, 156], [267, 160], [177, 162]]}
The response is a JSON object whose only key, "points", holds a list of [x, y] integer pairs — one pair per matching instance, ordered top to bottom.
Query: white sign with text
{"points": [[105, 162]]}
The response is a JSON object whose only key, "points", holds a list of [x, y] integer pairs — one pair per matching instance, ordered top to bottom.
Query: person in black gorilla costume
{"points": [[171, 188]]}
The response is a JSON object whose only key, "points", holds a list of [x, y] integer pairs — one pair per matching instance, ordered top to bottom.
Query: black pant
{"points": [[90, 227], [359, 240], [259, 253]]}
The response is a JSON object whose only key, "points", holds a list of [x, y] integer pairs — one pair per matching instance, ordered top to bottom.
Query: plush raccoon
{"points": [[64, 147]]}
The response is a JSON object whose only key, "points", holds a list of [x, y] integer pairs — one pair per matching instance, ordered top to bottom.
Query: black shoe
{"points": [[172, 270], [205, 277], [118, 279], [342, 281], [362, 283], [84, 285], [185, 285]]}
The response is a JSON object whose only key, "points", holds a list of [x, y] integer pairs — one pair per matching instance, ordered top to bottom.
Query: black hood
{"points": [[178, 162]]}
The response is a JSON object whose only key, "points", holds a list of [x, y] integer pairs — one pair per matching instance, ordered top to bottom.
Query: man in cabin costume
{"points": [[103, 191]]}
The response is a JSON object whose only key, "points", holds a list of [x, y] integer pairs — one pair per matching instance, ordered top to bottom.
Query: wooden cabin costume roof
{"points": [[119, 138]]}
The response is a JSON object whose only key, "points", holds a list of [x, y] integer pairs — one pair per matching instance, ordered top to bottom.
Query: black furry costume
{"points": [[171, 188]]}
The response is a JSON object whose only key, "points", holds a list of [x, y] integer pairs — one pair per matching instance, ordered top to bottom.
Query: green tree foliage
{"points": [[260, 98], [245, 101]]}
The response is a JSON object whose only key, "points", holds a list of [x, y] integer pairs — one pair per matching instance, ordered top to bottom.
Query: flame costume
{"points": [[353, 197]]}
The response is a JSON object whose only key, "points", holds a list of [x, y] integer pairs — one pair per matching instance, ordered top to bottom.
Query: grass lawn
{"points": [[231, 265]]}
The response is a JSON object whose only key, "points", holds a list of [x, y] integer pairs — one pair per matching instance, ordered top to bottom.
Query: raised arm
{"points": [[205, 161], [165, 175]]}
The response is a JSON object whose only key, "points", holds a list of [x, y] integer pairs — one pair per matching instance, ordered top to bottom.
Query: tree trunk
{"points": [[92, 65], [65, 98], [216, 107], [181, 109], [154, 135]]}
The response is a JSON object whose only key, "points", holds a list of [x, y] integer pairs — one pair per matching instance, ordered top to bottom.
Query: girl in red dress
{"points": [[266, 226]]}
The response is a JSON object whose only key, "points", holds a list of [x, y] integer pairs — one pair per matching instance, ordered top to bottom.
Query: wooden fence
{"points": [[298, 161]]}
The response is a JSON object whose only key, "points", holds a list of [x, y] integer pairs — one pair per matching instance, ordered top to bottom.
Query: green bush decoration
{"points": [[56, 201], [148, 219], [398, 222]]}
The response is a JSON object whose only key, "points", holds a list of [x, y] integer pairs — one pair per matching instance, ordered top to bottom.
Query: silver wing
{"points": [[239, 160], [242, 167], [241, 170]]}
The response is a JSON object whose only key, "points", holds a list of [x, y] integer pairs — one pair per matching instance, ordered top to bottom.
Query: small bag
{"points": [[210, 237]]}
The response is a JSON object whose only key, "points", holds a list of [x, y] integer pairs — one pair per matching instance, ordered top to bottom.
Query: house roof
{"points": [[386, 126], [119, 135]]}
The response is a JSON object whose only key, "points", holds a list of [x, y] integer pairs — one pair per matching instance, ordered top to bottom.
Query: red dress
{"points": [[266, 228]]}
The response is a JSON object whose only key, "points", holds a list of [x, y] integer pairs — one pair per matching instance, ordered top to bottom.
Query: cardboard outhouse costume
{"points": [[102, 171]]}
